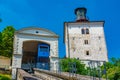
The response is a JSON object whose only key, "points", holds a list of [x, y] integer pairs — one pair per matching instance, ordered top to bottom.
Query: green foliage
{"points": [[6, 43], [115, 61], [65, 63], [113, 69], [92, 72], [114, 73], [117, 75], [4, 77]]}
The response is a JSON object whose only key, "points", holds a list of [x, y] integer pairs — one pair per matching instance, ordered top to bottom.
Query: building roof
{"points": [[36, 31]]}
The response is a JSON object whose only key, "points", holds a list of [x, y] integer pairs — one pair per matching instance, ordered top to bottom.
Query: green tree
{"points": [[0, 35], [0, 41], [7, 41], [115, 61], [80, 67], [113, 69], [114, 73], [117, 75]]}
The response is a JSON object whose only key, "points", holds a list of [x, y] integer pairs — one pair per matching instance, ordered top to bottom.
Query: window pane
{"points": [[83, 31], [87, 31], [73, 38], [85, 41], [43, 49], [87, 52]]}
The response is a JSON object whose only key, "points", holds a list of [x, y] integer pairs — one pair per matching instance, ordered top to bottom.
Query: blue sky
{"points": [[51, 14]]}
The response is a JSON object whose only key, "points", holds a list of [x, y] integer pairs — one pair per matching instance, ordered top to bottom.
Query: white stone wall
{"points": [[96, 46]]}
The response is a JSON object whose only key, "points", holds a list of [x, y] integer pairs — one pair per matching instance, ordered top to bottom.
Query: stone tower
{"points": [[85, 39]]}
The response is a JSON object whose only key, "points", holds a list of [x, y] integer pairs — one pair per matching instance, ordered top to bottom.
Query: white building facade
{"points": [[85, 40], [26, 41]]}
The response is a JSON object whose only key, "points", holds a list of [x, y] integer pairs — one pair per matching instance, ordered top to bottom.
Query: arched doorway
{"points": [[35, 55]]}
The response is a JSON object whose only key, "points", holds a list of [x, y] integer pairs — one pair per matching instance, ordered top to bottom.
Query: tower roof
{"points": [[82, 8]]}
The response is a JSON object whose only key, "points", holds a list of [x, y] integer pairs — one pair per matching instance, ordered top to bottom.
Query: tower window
{"points": [[85, 31], [99, 37], [73, 38], [85, 41], [87, 53]]}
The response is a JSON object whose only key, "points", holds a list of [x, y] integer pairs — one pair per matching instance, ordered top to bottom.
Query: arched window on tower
{"points": [[83, 31], [87, 31]]}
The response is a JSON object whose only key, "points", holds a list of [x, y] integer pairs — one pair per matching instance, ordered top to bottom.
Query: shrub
{"points": [[67, 62], [4, 77]]}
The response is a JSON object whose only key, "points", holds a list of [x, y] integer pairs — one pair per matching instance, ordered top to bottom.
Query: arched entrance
{"points": [[35, 55]]}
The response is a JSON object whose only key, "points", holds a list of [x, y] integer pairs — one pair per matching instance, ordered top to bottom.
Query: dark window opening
{"points": [[83, 31], [87, 31], [99, 37], [73, 38], [85, 41], [87, 53]]}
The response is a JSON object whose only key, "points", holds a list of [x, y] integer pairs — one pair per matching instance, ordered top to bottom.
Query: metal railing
{"points": [[93, 67]]}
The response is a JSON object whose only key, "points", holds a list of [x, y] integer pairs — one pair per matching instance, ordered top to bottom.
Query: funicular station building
{"points": [[36, 48]]}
